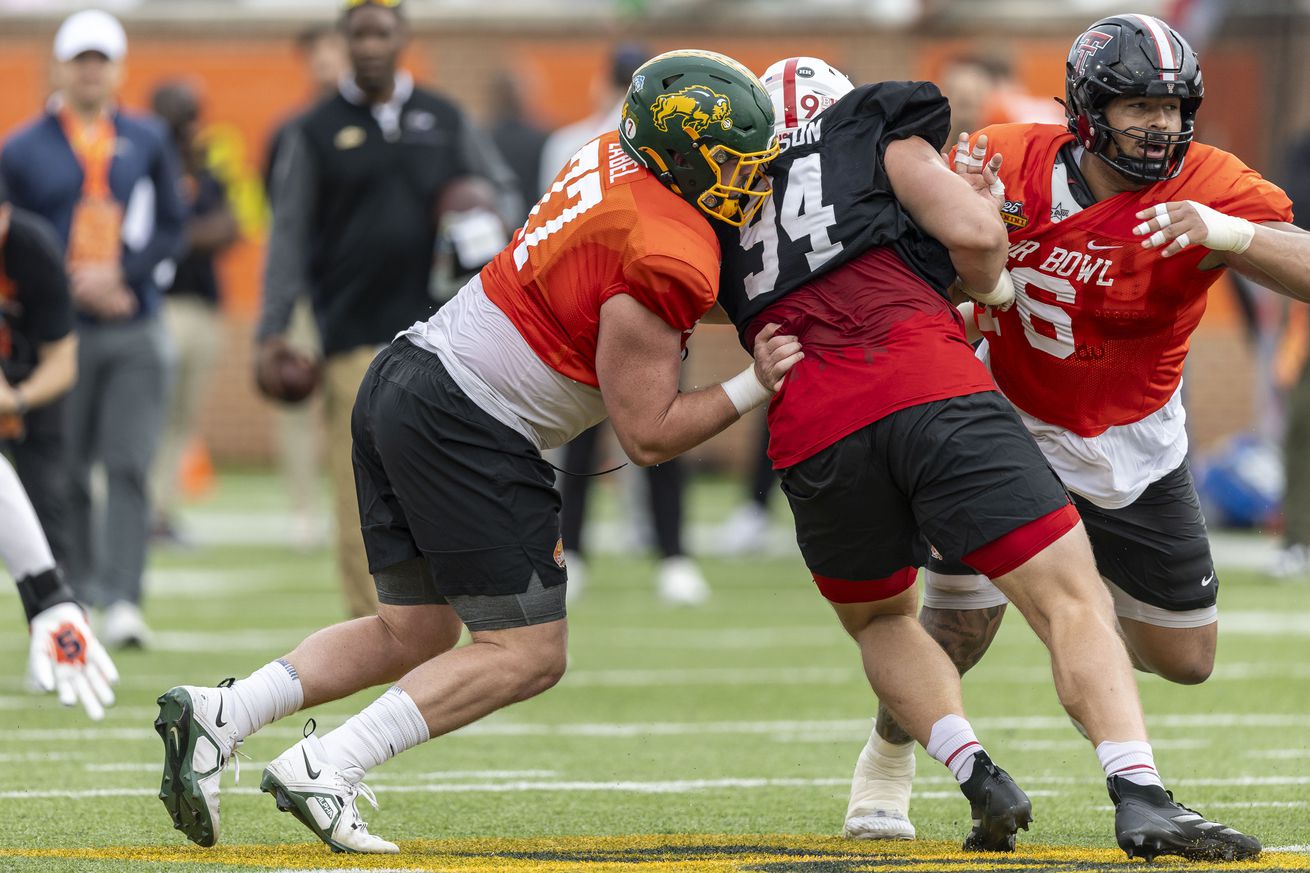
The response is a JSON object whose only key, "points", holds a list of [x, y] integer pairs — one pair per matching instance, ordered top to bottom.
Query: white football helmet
{"points": [[801, 88]]}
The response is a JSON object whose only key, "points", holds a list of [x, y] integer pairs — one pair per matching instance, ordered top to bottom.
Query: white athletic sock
{"points": [[271, 692], [385, 728], [952, 742], [1133, 761], [884, 777]]}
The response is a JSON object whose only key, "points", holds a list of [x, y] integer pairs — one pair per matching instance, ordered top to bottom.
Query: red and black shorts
{"points": [[961, 473]]}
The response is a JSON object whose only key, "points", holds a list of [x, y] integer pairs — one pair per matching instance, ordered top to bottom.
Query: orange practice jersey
{"points": [[606, 226], [1100, 326]]}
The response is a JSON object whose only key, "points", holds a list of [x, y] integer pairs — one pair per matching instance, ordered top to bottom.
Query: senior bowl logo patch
{"points": [[1012, 214], [559, 552]]}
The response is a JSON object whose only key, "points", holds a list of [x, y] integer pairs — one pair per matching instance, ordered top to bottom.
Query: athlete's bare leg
{"points": [[1061, 595], [964, 634], [1180, 654], [340, 660], [909, 672]]}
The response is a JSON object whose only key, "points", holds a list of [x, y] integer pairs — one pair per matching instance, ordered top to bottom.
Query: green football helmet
{"points": [[703, 124]]}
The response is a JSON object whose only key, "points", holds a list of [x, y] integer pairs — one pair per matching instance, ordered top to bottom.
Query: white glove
{"points": [[65, 657]]}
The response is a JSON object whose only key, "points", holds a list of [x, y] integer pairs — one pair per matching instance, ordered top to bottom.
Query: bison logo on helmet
{"points": [[699, 107]]}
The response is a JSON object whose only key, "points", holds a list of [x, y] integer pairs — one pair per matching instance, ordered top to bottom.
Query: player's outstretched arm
{"points": [[948, 208], [1274, 253], [638, 358], [64, 655]]}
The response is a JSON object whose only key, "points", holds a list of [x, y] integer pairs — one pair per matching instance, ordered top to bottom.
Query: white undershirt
{"points": [[490, 361]]}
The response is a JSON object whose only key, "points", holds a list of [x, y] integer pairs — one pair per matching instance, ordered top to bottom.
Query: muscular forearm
{"points": [[1276, 259], [979, 268], [689, 420]]}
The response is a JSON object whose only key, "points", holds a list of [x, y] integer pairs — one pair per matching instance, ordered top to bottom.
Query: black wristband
{"points": [[42, 591]]}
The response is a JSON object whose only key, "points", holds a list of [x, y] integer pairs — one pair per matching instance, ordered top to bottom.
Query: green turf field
{"points": [[740, 721]]}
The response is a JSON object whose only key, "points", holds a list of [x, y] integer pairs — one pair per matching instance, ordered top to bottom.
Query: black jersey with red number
{"points": [[832, 201]]}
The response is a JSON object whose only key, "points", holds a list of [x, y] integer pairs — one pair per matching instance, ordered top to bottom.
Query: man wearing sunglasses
{"points": [[355, 193]]}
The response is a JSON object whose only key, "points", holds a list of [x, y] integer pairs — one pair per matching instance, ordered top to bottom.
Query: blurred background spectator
{"points": [[322, 54], [108, 182], [355, 201], [190, 301], [1293, 561]]}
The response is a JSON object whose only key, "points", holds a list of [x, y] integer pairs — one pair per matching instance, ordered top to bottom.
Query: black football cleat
{"points": [[999, 807], [1148, 822]]}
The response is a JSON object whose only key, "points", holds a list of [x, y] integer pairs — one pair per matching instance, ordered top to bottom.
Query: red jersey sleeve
{"points": [[1221, 181]]}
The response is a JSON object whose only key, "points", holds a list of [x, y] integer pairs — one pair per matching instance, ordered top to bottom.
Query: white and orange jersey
{"points": [[605, 227], [1100, 325], [520, 338]]}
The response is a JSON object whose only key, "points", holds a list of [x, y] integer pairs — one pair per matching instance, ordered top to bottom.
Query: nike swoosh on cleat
{"points": [[218, 719], [177, 740], [313, 774]]}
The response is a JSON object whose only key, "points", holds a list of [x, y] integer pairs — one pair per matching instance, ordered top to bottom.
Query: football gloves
{"points": [[66, 658]]}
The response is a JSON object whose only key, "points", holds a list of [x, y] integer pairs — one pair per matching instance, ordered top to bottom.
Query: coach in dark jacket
{"points": [[355, 194]]}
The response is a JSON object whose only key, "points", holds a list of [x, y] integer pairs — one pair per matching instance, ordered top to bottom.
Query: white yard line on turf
{"points": [[620, 730], [676, 786]]}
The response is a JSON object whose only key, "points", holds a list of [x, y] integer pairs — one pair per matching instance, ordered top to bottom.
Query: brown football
{"points": [[287, 375]]}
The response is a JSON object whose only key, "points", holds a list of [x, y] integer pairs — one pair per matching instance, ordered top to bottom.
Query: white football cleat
{"points": [[747, 530], [680, 582], [125, 627], [199, 739], [317, 793], [879, 808], [880, 824]]}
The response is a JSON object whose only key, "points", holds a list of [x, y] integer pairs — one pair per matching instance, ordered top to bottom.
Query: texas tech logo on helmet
{"points": [[1091, 43]]}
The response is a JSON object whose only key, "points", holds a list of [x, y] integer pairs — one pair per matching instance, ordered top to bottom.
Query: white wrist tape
{"points": [[1224, 233], [1001, 296], [745, 391]]}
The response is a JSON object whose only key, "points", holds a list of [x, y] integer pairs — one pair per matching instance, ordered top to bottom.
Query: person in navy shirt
{"points": [[108, 182]]}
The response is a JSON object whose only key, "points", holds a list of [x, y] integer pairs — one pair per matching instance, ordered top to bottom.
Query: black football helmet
{"points": [[1131, 56]]}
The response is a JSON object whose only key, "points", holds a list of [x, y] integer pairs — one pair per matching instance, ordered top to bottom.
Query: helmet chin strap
{"points": [[1147, 170]]}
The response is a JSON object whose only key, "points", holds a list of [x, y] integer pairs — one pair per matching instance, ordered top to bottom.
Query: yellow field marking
{"points": [[719, 853]]}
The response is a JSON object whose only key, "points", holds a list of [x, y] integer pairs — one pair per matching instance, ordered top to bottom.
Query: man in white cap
{"points": [[108, 182]]}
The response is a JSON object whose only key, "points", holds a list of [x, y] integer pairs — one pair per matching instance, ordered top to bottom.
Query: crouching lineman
{"points": [[1118, 225], [585, 314], [890, 435]]}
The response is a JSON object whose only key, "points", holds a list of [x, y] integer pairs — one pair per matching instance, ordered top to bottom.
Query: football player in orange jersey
{"points": [[1118, 224], [584, 314]]}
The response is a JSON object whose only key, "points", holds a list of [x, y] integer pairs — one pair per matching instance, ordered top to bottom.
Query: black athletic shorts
{"points": [[960, 473], [438, 477], [1155, 549]]}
